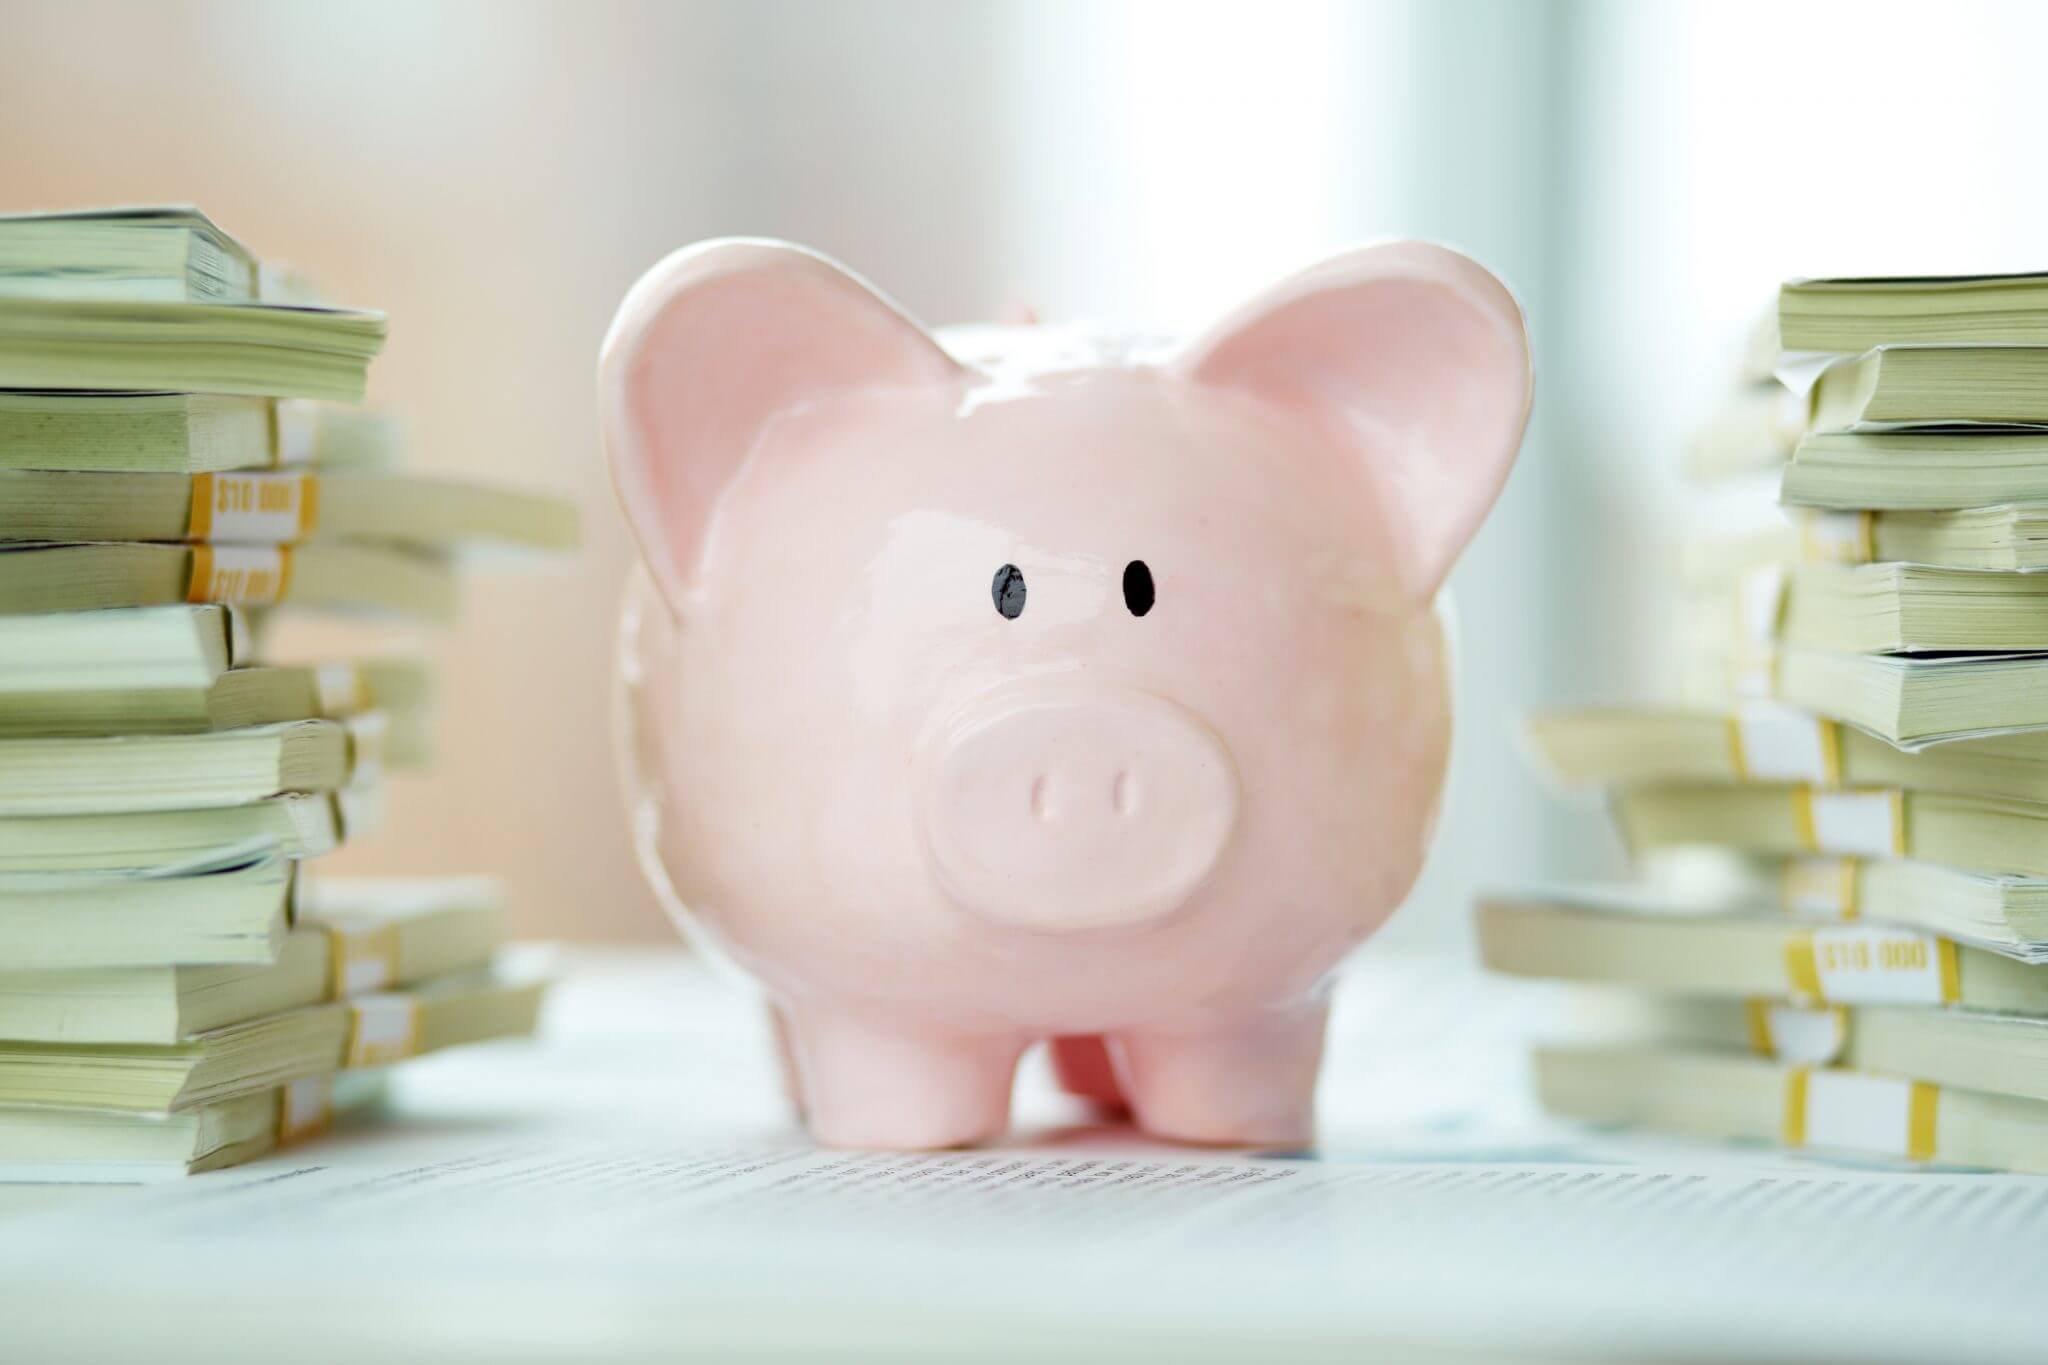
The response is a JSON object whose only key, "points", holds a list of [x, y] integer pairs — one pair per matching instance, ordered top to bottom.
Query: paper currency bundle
{"points": [[179, 462], [1840, 939]]}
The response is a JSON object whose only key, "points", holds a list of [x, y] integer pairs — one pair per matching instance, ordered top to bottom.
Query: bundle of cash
{"points": [[180, 459], [1840, 938]]}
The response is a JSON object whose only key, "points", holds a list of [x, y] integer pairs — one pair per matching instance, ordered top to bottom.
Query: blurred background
{"points": [[495, 175]]}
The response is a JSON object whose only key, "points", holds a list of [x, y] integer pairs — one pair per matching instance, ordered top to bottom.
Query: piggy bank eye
{"points": [[1137, 587], [1008, 591]]}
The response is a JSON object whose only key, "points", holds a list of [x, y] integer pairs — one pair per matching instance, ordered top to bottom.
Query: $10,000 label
{"points": [[258, 509], [239, 575], [1871, 965]]}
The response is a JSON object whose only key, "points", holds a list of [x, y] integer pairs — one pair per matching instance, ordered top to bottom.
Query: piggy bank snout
{"points": [[1069, 809]]}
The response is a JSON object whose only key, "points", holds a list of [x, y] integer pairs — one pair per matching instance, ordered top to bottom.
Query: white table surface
{"points": [[630, 1187]]}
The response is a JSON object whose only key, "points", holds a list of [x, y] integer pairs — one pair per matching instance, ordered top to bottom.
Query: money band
{"points": [[1794, 416], [294, 431], [253, 509], [1838, 537], [240, 575], [1760, 604], [1752, 672], [338, 689], [366, 733], [1769, 743], [360, 806], [1865, 823], [1821, 886], [362, 952], [1859, 964], [383, 1028], [1805, 1034], [304, 1107], [1883, 1114]]}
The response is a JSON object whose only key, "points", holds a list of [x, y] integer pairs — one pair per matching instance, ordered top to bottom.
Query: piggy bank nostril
{"points": [[1123, 793], [1048, 804]]}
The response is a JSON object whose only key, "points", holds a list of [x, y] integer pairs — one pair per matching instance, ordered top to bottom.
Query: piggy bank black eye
{"points": [[1137, 587], [1008, 591]]}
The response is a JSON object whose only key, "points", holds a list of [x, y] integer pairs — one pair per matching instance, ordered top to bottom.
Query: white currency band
{"points": [[1782, 744], [1858, 823], [1821, 886], [1868, 964], [385, 1028], [1810, 1035], [1859, 1112]]}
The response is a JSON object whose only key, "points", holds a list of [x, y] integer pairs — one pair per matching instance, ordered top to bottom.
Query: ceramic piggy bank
{"points": [[1007, 685]]}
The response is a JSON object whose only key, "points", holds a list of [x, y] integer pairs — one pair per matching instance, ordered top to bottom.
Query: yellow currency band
{"points": [[304, 489], [199, 521], [1814, 549], [238, 587], [1744, 668], [339, 689], [1830, 735], [1802, 819], [1808, 833], [1796, 877], [352, 945], [1802, 969], [1802, 972], [1758, 1012], [1759, 1018], [367, 1047], [1922, 1106], [297, 1118], [1792, 1123]]}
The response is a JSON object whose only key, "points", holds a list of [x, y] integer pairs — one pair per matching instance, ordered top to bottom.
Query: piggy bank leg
{"points": [[785, 1061], [1082, 1065], [1248, 1081], [873, 1083]]}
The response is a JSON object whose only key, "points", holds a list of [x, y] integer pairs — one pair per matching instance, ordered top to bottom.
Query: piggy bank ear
{"points": [[709, 348], [1411, 361]]}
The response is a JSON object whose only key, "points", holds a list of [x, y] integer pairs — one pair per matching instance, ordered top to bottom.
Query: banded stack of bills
{"points": [[178, 459], [1841, 936]]}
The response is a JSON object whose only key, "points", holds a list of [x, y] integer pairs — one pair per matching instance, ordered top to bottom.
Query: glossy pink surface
{"points": [[940, 831]]}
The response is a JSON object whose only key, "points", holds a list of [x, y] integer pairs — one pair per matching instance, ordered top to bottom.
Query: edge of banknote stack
{"points": [[181, 465], [1838, 938]]}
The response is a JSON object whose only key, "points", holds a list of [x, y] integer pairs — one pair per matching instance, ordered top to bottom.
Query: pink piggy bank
{"points": [[1010, 685]]}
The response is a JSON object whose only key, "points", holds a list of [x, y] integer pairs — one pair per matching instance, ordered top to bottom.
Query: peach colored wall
{"points": [[495, 173], [494, 176]]}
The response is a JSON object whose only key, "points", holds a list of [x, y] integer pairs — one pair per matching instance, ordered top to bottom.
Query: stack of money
{"points": [[176, 465], [1840, 937]]}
